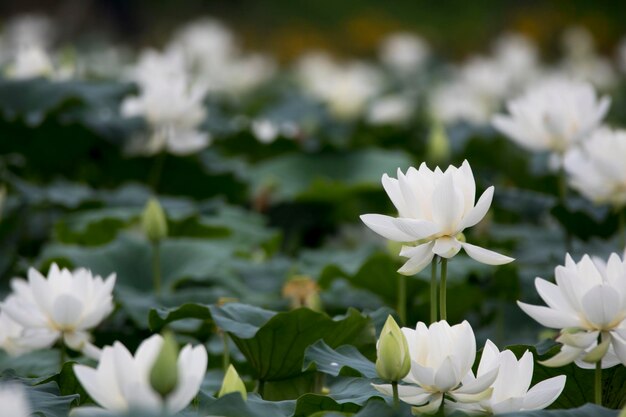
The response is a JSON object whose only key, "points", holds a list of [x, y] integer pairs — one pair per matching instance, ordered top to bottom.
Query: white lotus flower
{"points": [[404, 52], [30, 62], [345, 88], [171, 104], [390, 110], [553, 115], [597, 168], [434, 208], [587, 302], [68, 304], [16, 340], [441, 364], [121, 382], [511, 390], [13, 400]]}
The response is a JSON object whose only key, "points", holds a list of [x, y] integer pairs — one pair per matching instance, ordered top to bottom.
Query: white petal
{"points": [[447, 204], [476, 213], [384, 226], [416, 228], [446, 247], [485, 256], [420, 257], [601, 305], [67, 311], [548, 317], [192, 363], [544, 393]]}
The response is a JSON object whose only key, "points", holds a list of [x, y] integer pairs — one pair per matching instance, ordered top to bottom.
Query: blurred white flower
{"points": [[29, 30], [404, 52], [518, 57], [214, 58], [30, 62], [345, 88], [456, 101], [171, 104], [390, 110], [553, 115], [597, 168], [434, 208], [588, 302], [68, 304], [16, 340], [441, 364], [121, 382], [511, 390], [14, 401]]}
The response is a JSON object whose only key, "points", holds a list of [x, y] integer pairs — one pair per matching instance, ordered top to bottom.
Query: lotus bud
{"points": [[438, 143], [153, 221], [393, 361], [164, 373], [232, 383]]}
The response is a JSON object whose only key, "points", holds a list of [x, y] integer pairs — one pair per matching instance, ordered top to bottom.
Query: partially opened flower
{"points": [[553, 115], [597, 168], [434, 208], [587, 302], [67, 304], [17, 340], [441, 365], [121, 382], [511, 390], [13, 401]]}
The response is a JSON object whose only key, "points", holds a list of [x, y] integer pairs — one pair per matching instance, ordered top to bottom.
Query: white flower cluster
{"points": [[441, 375]]}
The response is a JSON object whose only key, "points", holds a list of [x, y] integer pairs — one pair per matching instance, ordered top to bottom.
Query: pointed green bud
{"points": [[438, 148], [153, 221], [393, 361], [164, 373], [232, 383]]}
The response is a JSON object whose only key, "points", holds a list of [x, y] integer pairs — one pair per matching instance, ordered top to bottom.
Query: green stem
{"points": [[157, 169], [562, 198], [620, 227], [156, 267], [433, 289], [442, 291], [402, 298], [63, 353], [226, 354], [598, 383], [261, 388], [396, 397]]}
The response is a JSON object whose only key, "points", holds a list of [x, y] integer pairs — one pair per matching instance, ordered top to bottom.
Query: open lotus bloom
{"points": [[170, 103], [553, 115], [596, 169], [434, 208], [587, 302], [65, 305], [17, 340], [441, 364], [121, 382], [511, 390], [13, 401]]}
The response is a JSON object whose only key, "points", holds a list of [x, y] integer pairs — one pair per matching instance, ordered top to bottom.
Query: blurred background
{"points": [[288, 27]]}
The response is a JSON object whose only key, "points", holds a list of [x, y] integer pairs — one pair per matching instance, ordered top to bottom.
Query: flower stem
{"points": [[156, 170], [562, 198], [620, 227], [156, 267], [433, 290], [442, 291], [402, 298], [63, 354], [226, 354], [598, 383], [261, 388], [396, 397]]}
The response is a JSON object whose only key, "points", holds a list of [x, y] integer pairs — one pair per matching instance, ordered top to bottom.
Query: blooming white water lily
{"points": [[404, 52], [344, 87], [170, 102], [390, 110], [553, 115], [597, 168], [434, 208], [587, 302], [67, 304], [16, 340], [441, 364], [121, 382], [511, 390], [13, 400]]}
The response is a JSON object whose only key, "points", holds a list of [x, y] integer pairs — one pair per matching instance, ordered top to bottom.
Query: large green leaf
{"points": [[327, 175], [275, 343], [331, 361], [45, 398]]}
